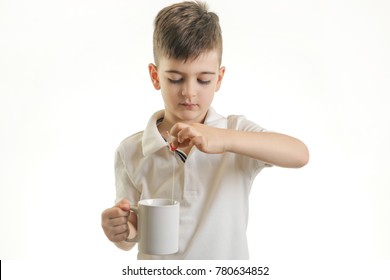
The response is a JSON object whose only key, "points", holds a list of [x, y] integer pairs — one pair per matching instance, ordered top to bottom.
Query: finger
{"points": [[176, 128], [187, 133], [181, 135], [172, 141], [199, 142], [175, 144], [185, 144], [123, 204], [114, 212], [118, 212], [117, 221], [120, 229], [113, 233], [119, 233], [120, 237]]}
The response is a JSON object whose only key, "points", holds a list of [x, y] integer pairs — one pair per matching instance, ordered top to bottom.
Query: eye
{"points": [[175, 81], [203, 82]]}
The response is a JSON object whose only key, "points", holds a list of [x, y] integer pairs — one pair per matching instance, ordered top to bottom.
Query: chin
{"points": [[192, 116]]}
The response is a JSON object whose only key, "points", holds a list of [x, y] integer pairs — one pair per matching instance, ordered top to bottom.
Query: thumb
{"points": [[123, 204]]}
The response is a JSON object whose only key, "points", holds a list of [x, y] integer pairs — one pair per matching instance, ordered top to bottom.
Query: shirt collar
{"points": [[214, 119], [152, 140]]}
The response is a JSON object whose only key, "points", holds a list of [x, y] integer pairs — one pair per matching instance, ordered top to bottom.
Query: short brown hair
{"points": [[185, 30]]}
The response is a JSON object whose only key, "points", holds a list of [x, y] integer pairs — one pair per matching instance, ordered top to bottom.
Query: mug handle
{"points": [[135, 239]]}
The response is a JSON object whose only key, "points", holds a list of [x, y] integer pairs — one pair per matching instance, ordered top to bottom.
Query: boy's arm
{"points": [[273, 148]]}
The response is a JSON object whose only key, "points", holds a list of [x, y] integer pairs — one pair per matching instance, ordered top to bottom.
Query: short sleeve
{"points": [[243, 124], [124, 185]]}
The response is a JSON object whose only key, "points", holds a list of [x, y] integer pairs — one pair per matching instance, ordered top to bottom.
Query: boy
{"points": [[216, 158]]}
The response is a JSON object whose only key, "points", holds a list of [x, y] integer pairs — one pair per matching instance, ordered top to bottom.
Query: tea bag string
{"points": [[172, 149]]}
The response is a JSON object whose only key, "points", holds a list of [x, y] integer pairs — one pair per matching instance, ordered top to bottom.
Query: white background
{"points": [[74, 83]]}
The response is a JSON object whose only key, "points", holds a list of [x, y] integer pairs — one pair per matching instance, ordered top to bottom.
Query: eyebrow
{"points": [[180, 73]]}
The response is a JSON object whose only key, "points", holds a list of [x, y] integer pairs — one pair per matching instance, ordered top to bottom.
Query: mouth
{"points": [[188, 106]]}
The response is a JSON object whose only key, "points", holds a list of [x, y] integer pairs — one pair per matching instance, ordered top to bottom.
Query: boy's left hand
{"points": [[207, 139]]}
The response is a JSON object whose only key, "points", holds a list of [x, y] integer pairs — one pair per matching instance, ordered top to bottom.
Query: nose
{"points": [[189, 89]]}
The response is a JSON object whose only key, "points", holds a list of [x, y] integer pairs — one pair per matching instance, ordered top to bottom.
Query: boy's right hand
{"points": [[115, 221]]}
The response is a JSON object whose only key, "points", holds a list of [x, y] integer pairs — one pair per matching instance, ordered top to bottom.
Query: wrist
{"points": [[229, 137]]}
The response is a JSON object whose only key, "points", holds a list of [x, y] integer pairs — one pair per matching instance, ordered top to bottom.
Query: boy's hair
{"points": [[185, 30]]}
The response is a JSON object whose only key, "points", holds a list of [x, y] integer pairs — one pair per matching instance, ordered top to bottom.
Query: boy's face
{"points": [[187, 87]]}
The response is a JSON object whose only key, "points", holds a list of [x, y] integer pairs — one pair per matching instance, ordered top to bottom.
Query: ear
{"points": [[153, 73], [221, 73]]}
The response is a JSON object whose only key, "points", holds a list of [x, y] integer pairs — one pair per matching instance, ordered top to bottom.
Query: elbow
{"points": [[303, 157]]}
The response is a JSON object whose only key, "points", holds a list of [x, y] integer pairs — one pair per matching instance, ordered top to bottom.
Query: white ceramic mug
{"points": [[158, 226]]}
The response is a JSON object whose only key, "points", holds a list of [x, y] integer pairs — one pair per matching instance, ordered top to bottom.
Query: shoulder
{"points": [[237, 122], [240, 122], [134, 141], [130, 144]]}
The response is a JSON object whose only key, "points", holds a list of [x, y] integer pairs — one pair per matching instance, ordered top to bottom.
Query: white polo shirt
{"points": [[213, 189]]}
